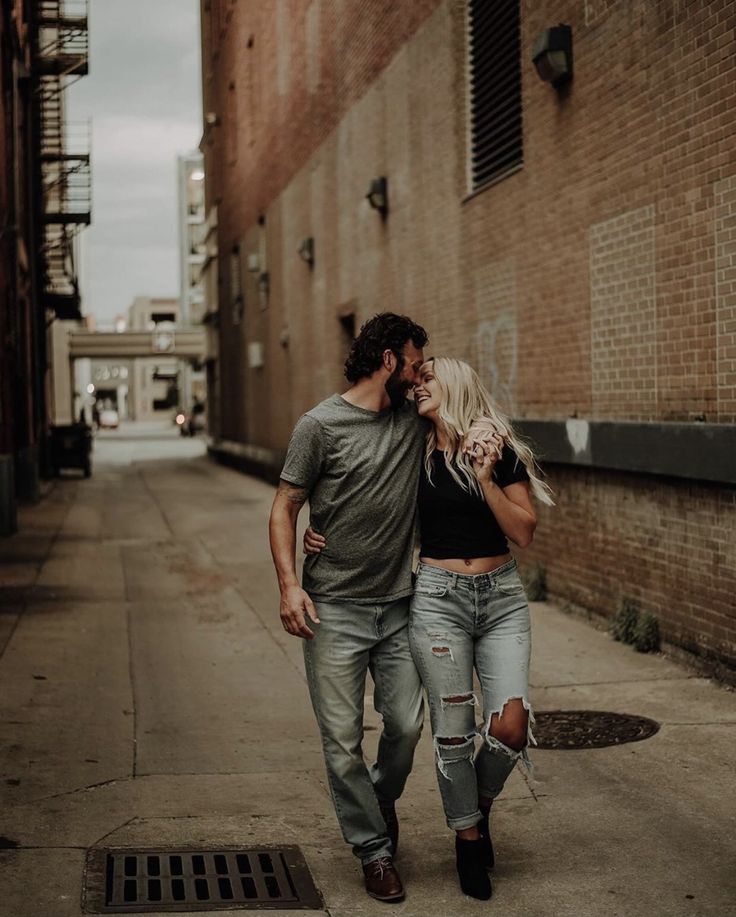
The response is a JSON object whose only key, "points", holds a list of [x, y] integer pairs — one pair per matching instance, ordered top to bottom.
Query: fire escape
{"points": [[61, 59]]}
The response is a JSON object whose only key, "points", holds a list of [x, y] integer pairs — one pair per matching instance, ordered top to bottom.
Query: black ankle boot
{"points": [[485, 837], [471, 869]]}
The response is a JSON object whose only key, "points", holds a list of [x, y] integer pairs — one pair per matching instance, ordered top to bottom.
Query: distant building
{"points": [[190, 172], [575, 242], [191, 245], [209, 281], [112, 382], [153, 388]]}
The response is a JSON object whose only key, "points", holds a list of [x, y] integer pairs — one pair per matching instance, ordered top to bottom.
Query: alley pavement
{"points": [[150, 698]]}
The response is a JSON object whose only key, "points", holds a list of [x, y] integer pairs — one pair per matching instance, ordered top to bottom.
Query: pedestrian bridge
{"points": [[187, 343]]}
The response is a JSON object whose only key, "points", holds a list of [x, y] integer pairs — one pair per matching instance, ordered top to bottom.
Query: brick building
{"points": [[44, 203], [576, 242], [192, 255], [154, 381], [17, 401]]}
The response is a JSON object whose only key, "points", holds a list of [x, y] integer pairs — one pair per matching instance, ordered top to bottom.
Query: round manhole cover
{"points": [[590, 729]]}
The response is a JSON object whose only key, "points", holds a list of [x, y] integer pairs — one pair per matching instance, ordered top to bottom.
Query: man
{"points": [[356, 457]]}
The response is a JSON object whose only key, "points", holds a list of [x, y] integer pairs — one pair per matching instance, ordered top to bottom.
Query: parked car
{"points": [[108, 419]]}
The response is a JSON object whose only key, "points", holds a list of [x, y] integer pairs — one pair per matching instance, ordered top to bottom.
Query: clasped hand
{"points": [[484, 453]]}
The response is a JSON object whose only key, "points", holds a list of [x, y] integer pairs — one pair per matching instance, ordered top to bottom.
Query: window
{"points": [[494, 36], [252, 89], [232, 125], [236, 286], [347, 330], [347, 335], [167, 374]]}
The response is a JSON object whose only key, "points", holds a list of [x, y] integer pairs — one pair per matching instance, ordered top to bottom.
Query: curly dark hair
{"points": [[386, 331]]}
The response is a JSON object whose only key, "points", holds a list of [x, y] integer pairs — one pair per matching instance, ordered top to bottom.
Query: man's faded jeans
{"points": [[350, 641]]}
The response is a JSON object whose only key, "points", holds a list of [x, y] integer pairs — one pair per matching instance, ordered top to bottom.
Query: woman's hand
{"points": [[484, 455], [313, 543]]}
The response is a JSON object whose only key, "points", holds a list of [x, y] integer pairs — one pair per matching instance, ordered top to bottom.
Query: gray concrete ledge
{"points": [[692, 451], [695, 451], [257, 460]]}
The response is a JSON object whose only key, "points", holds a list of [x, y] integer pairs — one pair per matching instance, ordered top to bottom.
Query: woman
{"points": [[469, 610]]}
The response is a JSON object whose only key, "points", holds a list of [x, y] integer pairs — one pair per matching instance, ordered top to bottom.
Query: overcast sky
{"points": [[143, 95]]}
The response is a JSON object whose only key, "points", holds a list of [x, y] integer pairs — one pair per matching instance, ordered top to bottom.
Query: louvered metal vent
{"points": [[495, 89]]}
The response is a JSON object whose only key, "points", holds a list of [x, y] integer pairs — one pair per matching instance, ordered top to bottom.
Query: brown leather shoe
{"points": [[382, 881]]}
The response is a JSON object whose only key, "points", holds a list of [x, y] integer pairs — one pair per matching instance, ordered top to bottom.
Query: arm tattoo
{"points": [[292, 493]]}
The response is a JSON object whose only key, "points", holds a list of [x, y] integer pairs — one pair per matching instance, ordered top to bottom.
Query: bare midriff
{"points": [[469, 565]]}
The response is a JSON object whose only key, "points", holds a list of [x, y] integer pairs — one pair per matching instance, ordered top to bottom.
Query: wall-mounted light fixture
{"points": [[552, 55], [211, 121], [378, 195], [306, 250], [254, 262], [256, 355]]}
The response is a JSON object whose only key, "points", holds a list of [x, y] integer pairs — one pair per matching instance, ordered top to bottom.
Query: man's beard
{"points": [[397, 389]]}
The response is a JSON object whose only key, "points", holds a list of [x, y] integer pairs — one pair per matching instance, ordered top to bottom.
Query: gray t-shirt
{"points": [[361, 470]]}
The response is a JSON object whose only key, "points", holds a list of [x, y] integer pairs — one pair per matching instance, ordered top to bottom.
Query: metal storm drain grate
{"points": [[590, 729], [129, 881]]}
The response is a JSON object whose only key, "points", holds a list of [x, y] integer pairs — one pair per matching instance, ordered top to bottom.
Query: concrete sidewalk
{"points": [[148, 696]]}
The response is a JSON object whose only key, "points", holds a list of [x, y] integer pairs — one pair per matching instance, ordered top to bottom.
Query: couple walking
{"points": [[370, 462]]}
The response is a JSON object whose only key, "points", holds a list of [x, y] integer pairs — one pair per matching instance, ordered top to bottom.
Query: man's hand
{"points": [[313, 542], [296, 606], [296, 609]]}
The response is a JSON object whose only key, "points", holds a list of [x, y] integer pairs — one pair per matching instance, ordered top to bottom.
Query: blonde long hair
{"points": [[464, 404]]}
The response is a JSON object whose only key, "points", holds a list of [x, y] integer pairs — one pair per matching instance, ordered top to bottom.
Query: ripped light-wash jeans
{"points": [[458, 622], [350, 641]]}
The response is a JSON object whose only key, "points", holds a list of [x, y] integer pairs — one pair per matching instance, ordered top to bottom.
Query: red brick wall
{"points": [[288, 93], [597, 282], [668, 545]]}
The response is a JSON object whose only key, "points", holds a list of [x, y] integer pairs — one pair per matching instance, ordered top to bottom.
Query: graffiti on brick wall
{"points": [[493, 353]]}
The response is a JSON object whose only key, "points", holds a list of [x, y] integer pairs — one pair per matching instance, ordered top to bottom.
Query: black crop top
{"points": [[457, 523]]}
